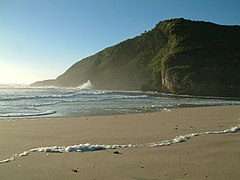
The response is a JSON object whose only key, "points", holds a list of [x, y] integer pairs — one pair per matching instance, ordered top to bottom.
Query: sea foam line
{"points": [[15, 115], [183, 138], [89, 147]]}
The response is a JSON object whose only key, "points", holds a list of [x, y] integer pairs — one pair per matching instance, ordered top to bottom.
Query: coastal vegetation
{"points": [[177, 56]]}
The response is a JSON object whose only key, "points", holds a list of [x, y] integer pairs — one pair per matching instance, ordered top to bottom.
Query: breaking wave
{"points": [[86, 85], [106, 98]]}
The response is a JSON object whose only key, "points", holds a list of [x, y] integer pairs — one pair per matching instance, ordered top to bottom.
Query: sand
{"points": [[203, 157]]}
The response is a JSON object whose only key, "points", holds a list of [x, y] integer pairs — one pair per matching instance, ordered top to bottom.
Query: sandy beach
{"points": [[214, 156]]}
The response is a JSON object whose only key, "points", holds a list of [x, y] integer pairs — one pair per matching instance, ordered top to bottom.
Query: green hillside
{"points": [[177, 56]]}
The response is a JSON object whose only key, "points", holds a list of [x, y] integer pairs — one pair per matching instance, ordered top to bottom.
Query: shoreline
{"points": [[163, 109], [215, 156]]}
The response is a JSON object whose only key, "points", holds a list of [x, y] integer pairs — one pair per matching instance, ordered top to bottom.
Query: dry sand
{"points": [[204, 157]]}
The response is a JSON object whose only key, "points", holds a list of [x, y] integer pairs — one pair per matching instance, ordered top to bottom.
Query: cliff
{"points": [[177, 56]]}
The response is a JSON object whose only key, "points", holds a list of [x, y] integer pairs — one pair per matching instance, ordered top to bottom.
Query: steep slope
{"points": [[178, 56]]}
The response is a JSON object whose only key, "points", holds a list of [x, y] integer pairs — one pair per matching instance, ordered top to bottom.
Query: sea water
{"points": [[25, 101]]}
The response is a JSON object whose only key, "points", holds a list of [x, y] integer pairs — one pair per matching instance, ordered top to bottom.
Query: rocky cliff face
{"points": [[178, 56]]}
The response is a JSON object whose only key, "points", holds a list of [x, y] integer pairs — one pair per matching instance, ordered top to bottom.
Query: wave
{"points": [[86, 85], [66, 95], [71, 95], [21, 97], [13, 98], [105, 98], [46, 104], [18, 115]]}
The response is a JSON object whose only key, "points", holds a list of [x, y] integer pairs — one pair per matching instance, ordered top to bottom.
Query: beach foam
{"points": [[183, 138], [88, 147], [79, 148], [25, 153], [7, 160]]}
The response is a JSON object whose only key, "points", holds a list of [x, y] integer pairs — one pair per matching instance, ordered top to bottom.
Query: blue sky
{"points": [[40, 39]]}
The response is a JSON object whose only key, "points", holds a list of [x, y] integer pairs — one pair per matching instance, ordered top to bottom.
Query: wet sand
{"points": [[203, 157]]}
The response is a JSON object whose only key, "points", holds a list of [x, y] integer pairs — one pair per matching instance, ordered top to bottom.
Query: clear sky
{"points": [[40, 39]]}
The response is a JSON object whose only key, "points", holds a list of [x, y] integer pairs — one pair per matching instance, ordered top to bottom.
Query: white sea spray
{"points": [[86, 85]]}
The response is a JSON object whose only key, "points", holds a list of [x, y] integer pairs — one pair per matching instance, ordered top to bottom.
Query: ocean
{"points": [[26, 101]]}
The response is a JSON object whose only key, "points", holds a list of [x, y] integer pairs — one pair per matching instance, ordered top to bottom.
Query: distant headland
{"points": [[178, 56]]}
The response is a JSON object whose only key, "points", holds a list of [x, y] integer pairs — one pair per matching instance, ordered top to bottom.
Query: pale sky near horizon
{"points": [[40, 39]]}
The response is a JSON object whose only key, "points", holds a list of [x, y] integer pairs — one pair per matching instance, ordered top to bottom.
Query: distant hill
{"points": [[178, 56]]}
